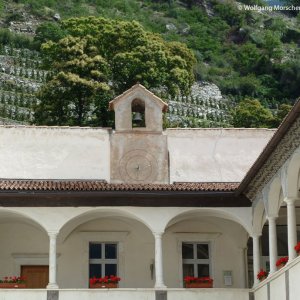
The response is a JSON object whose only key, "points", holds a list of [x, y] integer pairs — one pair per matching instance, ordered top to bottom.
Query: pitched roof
{"points": [[133, 89], [15, 185]]}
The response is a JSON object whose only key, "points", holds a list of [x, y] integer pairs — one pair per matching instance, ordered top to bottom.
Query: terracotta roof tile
{"points": [[100, 185]]}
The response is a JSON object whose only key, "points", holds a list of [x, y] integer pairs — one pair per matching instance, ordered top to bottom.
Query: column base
{"points": [[51, 286], [160, 286]]}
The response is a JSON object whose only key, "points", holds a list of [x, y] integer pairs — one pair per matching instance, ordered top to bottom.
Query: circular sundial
{"points": [[138, 166]]}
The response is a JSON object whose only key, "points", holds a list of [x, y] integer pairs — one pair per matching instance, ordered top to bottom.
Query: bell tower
{"points": [[139, 152]]}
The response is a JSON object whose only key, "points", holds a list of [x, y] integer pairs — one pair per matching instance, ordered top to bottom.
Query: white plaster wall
{"points": [[54, 152], [84, 153], [214, 154], [228, 240], [294, 274], [277, 288], [262, 293], [23, 294], [127, 294], [130, 294], [142, 294], [208, 294]]}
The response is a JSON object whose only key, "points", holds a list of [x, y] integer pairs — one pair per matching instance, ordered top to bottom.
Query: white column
{"points": [[292, 227], [272, 244], [256, 258], [52, 261], [159, 280]]}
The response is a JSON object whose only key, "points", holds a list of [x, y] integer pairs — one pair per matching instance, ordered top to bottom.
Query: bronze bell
{"points": [[137, 117]]}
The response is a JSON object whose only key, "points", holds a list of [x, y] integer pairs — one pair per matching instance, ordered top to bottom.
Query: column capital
{"points": [[290, 200], [272, 218], [52, 233], [158, 234], [256, 235]]}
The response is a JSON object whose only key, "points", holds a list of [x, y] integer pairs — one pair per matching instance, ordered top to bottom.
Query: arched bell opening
{"points": [[138, 113]]}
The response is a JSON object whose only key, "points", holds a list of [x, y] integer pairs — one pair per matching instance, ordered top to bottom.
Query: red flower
{"points": [[282, 261], [261, 274], [13, 279], [106, 279]]}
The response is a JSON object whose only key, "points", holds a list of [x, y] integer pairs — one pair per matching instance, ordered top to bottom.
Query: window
{"points": [[103, 259], [195, 259]]}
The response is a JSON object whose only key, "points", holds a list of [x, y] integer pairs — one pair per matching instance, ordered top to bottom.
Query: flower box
{"points": [[281, 262], [262, 275], [262, 278], [12, 282], [107, 282], [198, 282], [12, 285], [111, 285], [199, 285]]}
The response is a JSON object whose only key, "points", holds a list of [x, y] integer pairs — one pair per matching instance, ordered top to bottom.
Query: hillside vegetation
{"points": [[247, 54]]}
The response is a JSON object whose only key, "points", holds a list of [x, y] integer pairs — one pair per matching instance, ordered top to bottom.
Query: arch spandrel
{"points": [[293, 176]]}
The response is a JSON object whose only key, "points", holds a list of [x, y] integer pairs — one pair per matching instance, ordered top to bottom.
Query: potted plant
{"points": [[297, 248], [281, 262], [262, 275], [12, 282], [104, 282], [198, 282]]}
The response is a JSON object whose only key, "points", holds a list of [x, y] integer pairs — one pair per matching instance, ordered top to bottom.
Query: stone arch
{"points": [[213, 212], [11, 214], [93, 214]]}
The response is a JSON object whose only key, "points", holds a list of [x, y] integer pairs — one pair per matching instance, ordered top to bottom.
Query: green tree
{"points": [[229, 12], [48, 31], [272, 44], [101, 58], [247, 58], [290, 78], [72, 95], [250, 113], [281, 113]]}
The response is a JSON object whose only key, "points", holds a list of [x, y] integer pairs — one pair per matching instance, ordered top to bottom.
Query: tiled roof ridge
{"points": [[101, 185]]}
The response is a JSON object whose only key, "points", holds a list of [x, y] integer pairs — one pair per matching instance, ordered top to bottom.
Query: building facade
{"points": [[149, 205]]}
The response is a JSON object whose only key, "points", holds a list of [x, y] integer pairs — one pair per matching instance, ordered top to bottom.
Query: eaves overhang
{"points": [[122, 198]]}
